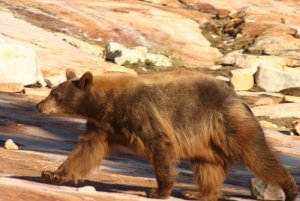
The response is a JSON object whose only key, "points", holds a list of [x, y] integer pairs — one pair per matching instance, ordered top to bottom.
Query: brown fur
{"points": [[166, 117]]}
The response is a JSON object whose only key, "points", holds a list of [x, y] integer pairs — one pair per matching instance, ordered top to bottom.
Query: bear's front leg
{"points": [[88, 153]]}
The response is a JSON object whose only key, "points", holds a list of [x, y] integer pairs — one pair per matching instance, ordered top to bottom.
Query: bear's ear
{"points": [[70, 74], [85, 81]]}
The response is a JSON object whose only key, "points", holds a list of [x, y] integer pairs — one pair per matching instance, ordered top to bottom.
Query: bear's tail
{"points": [[254, 151], [267, 167]]}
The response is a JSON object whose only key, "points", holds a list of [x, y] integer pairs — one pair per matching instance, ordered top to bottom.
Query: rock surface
{"points": [[101, 22], [195, 34], [11, 87]]}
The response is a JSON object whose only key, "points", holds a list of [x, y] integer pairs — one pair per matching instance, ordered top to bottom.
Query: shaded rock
{"points": [[159, 60], [19, 65], [242, 79], [277, 79], [11, 87], [294, 91], [278, 110], [9, 144], [87, 189], [263, 191]]}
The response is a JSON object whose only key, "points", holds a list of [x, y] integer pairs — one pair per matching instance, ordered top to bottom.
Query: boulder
{"points": [[284, 45], [119, 54], [159, 60], [253, 61], [19, 64], [242, 79], [276, 79], [278, 110], [9, 144], [263, 191]]}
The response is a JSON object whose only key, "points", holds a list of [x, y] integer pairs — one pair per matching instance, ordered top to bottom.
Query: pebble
{"points": [[9, 144], [86, 189], [263, 191]]}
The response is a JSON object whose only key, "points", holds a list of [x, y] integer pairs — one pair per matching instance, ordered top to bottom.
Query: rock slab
{"points": [[19, 64], [277, 79]]}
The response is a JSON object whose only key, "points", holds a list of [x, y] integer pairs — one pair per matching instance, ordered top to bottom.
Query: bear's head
{"points": [[67, 97]]}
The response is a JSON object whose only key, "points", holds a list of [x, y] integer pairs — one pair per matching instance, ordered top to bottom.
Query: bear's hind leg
{"points": [[164, 162], [210, 178]]}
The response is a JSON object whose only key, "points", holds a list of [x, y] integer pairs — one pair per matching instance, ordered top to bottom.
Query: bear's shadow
{"points": [[122, 188]]}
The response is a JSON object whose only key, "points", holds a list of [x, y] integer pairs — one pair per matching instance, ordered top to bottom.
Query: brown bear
{"points": [[165, 117]]}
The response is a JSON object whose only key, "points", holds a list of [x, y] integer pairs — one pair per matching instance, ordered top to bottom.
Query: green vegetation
{"points": [[147, 64], [280, 122]]}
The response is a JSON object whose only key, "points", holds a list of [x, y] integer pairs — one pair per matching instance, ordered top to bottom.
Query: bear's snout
{"points": [[39, 107]]}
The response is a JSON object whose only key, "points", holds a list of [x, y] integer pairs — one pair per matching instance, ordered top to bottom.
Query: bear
{"points": [[165, 117]]}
